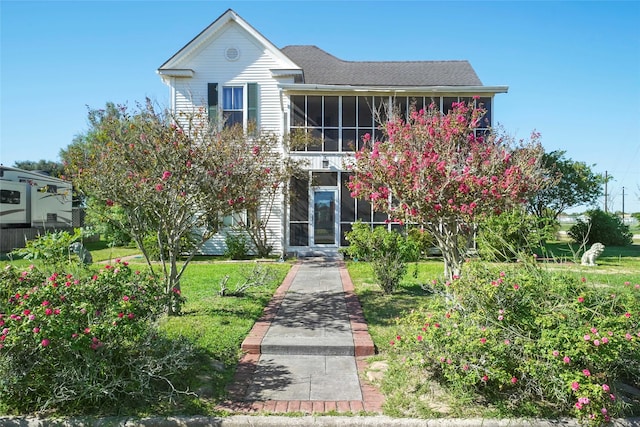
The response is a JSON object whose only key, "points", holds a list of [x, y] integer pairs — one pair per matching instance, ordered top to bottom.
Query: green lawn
{"points": [[616, 266], [218, 325]]}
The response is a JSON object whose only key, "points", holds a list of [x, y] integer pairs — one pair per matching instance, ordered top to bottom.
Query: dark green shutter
{"points": [[212, 101], [252, 101]]}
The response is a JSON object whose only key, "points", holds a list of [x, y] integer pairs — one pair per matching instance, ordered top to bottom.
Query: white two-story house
{"points": [[232, 68]]}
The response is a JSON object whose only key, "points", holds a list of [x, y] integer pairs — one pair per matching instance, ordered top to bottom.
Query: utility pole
{"points": [[606, 180], [623, 205]]}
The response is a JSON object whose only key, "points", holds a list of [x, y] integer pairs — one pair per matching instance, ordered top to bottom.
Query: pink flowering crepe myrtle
{"points": [[440, 172]]}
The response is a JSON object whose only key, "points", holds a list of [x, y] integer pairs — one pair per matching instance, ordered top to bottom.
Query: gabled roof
{"points": [[175, 66], [322, 68]]}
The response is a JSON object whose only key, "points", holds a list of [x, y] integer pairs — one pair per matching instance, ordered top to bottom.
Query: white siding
{"points": [[254, 65], [211, 66]]}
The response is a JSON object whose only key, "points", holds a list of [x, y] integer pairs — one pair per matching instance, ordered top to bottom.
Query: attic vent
{"points": [[232, 53]]}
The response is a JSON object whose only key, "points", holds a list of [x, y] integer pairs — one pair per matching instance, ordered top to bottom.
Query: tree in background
{"points": [[54, 169], [434, 171], [173, 176], [575, 185], [602, 227]]}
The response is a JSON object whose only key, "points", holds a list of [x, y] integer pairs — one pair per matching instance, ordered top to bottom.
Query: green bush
{"points": [[110, 222], [602, 227], [506, 236], [423, 240], [237, 245], [51, 250], [388, 252], [526, 337], [86, 344]]}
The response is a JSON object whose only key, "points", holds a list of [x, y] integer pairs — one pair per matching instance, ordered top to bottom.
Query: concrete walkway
{"points": [[307, 352]]}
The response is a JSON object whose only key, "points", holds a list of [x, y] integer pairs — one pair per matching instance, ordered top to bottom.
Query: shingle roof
{"points": [[321, 67]]}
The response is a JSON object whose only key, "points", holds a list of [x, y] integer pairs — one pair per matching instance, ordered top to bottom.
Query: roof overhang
{"points": [[173, 72], [167, 73], [286, 73], [292, 87]]}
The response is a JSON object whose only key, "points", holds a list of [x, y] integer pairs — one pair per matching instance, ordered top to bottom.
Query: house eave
{"points": [[176, 72], [286, 72], [293, 87]]}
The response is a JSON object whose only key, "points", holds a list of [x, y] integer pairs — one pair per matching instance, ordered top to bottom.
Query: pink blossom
{"points": [[166, 175], [159, 187], [125, 298], [580, 299], [627, 314], [501, 317], [594, 331], [419, 337], [587, 337], [483, 340], [45, 342], [507, 342], [596, 342], [555, 353], [566, 360], [586, 372], [484, 378], [514, 380], [575, 386], [605, 387]]}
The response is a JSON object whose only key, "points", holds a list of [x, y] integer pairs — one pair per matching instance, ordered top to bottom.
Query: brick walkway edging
{"points": [[372, 399]]}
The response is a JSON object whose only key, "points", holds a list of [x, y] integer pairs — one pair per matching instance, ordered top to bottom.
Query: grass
{"points": [[101, 251], [616, 267], [218, 325]]}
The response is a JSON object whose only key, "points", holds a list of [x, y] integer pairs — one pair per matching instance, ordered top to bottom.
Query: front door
{"points": [[324, 218]]}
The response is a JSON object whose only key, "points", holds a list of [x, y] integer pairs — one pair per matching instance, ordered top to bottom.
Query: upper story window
{"points": [[238, 104], [232, 105]]}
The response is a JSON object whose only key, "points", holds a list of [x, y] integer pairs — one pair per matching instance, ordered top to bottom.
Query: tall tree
{"points": [[54, 169], [433, 170], [175, 177], [575, 185]]}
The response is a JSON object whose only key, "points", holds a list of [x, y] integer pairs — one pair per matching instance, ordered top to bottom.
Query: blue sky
{"points": [[573, 68]]}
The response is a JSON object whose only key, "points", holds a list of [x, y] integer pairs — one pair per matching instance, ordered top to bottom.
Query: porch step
{"points": [[319, 252], [313, 318]]}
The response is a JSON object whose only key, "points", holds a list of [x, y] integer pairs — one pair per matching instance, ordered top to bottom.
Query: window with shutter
{"points": [[212, 101]]}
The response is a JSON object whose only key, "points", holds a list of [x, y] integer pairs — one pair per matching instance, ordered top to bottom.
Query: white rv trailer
{"points": [[33, 199]]}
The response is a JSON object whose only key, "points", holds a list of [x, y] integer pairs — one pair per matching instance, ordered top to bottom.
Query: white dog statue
{"points": [[589, 257]]}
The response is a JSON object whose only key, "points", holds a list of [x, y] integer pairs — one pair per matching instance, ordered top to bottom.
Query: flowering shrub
{"points": [[440, 172], [525, 335], [85, 343]]}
